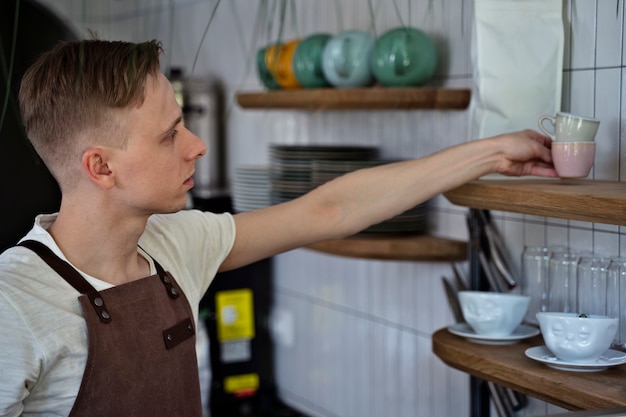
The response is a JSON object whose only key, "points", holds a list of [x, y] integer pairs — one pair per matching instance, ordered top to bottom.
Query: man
{"points": [[99, 302]]}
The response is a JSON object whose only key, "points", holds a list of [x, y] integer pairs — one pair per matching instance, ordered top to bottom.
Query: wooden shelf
{"points": [[358, 98], [586, 200], [402, 248], [411, 248], [509, 366]]}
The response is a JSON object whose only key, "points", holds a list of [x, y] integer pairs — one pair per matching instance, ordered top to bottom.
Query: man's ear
{"points": [[96, 167]]}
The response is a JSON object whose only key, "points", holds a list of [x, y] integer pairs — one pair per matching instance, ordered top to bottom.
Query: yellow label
{"points": [[235, 315], [238, 383]]}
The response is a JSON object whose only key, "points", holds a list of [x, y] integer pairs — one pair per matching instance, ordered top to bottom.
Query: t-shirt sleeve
{"points": [[192, 243], [17, 370]]}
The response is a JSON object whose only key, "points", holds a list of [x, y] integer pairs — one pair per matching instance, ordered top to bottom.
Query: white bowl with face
{"points": [[491, 313], [574, 337]]}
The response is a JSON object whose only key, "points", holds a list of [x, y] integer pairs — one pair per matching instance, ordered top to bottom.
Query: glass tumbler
{"points": [[535, 267], [562, 281], [592, 285], [616, 298]]}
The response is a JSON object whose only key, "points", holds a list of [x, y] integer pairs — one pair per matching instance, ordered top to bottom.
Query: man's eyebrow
{"points": [[173, 125]]}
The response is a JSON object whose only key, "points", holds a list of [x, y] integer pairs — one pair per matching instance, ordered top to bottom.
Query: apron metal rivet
{"points": [[166, 279], [173, 291], [98, 301], [105, 315], [190, 328], [169, 337]]}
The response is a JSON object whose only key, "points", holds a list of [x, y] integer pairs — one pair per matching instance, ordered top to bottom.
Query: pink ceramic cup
{"points": [[573, 159]]}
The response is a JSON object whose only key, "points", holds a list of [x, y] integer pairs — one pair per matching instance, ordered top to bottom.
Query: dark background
{"points": [[26, 186]]}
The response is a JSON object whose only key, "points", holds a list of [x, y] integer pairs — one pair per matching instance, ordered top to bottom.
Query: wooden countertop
{"points": [[509, 366]]}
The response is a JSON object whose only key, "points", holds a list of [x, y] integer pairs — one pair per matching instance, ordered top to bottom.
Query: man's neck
{"points": [[101, 244]]}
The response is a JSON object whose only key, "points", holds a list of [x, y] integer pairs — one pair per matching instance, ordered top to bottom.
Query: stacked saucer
{"points": [[292, 166], [326, 170], [251, 188], [413, 221]]}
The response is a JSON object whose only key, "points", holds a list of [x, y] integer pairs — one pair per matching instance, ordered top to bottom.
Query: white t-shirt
{"points": [[43, 343]]}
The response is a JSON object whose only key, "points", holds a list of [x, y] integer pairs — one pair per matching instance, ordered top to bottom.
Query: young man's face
{"points": [[154, 171]]}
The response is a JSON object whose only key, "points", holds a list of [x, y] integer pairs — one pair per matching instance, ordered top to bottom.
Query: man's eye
{"points": [[173, 134]]}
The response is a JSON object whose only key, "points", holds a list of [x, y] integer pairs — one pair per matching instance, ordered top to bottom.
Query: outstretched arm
{"points": [[351, 203]]}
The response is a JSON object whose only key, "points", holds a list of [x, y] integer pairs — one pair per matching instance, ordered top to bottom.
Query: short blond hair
{"points": [[75, 89]]}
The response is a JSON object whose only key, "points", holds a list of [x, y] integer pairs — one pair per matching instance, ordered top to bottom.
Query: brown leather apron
{"points": [[142, 358]]}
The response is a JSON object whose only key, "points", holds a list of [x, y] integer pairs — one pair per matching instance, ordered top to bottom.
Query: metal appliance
{"points": [[202, 102], [236, 312]]}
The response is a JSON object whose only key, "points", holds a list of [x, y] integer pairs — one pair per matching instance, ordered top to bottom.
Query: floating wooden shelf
{"points": [[358, 98], [586, 200], [403, 248], [413, 248], [509, 366]]}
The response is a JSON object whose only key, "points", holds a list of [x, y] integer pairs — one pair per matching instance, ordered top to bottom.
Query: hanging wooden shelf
{"points": [[359, 98], [586, 200], [402, 248]]}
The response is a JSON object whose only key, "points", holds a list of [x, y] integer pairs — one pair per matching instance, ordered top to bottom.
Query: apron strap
{"points": [[71, 275], [166, 278]]}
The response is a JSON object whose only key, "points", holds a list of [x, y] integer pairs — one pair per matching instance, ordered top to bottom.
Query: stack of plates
{"points": [[292, 166], [295, 170], [324, 170], [251, 188], [411, 221]]}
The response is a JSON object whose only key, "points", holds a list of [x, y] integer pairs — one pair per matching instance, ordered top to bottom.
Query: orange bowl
{"points": [[279, 60]]}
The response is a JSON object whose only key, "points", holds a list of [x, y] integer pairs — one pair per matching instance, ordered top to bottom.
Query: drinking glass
{"points": [[535, 267], [562, 281], [592, 285], [616, 297]]}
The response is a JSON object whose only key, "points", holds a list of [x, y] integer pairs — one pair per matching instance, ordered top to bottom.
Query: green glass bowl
{"points": [[403, 57], [346, 59], [307, 61], [264, 74]]}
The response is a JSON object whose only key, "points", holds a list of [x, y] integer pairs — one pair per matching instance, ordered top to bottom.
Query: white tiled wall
{"points": [[361, 337]]}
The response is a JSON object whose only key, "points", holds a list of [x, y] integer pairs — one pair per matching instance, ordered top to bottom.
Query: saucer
{"points": [[522, 332], [611, 357]]}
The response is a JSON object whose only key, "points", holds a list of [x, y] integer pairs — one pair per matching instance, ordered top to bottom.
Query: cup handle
{"points": [[552, 121]]}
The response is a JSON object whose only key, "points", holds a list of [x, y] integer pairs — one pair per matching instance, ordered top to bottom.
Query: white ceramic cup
{"points": [[569, 127], [573, 159], [492, 313], [573, 338]]}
